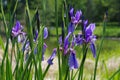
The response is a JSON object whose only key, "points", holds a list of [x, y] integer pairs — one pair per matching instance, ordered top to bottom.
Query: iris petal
{"points": [[71, 11], [78, 14], [71, 28], [17, 29], [45, 32], [66, 43], [92, 47], [52, 57], [73, 64]]}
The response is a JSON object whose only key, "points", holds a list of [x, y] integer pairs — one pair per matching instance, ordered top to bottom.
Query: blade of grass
{"points": [[56, 24], [98, 54], [114, 74]]}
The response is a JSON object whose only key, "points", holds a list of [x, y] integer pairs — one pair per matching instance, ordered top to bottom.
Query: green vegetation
{"points": [[53, 13]]}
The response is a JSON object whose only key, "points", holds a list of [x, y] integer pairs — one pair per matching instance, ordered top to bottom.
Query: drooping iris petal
{"points": [[71, 27], [45, 32], [66, 43], [92, 47], [43, 51], [52, 57], [73, 64]]}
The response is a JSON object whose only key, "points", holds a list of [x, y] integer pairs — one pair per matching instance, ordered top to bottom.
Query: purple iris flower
{"points": [[75, 18], [17, 29], [89, 32], [90, 38], [66, 43], [52, 56], [73, 64]]}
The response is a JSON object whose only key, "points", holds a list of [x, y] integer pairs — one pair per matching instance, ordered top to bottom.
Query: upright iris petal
{"points": [[71, 12], [78, 15], [85, 24], [45, 32], [66, 43], [92, 47], [52, 57], [73, 64]]}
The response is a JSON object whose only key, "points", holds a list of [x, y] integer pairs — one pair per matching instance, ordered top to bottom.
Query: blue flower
{"points": [[75, 18], [17, 29], [90, 38], [52, 56], [73, 64]]}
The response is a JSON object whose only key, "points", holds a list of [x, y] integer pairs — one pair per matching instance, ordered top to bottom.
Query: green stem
{"points": [[56, 21], [85, 48], [46, 70]]}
